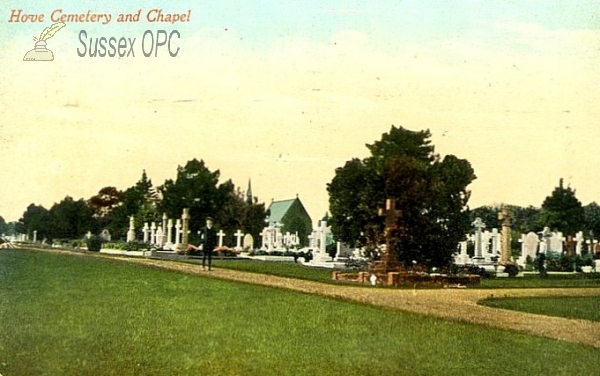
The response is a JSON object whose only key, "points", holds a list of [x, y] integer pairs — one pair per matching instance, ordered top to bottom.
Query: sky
{"points": [[284, 92]]}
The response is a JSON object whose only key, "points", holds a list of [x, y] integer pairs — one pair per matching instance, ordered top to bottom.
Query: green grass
{"points": [[281, 269], [552, 281], [587, 308], [75, 315]]}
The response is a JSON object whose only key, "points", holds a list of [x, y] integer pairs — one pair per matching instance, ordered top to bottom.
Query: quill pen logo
{"points": [[40, 52]]}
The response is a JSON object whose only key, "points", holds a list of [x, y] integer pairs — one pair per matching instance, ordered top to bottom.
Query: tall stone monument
{"points": [[505, 216], [185, 218], [479, 225], [131, 231], [389, 260]]}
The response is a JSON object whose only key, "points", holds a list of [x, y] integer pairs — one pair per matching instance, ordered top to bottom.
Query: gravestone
{"points": [[505, 216], [185, 219], [479, 225], [131, 231], [146, 232], [153, 233], [105, 235], [221, 235], [238, 235], [266, 236], [486, 236], [579, 240], [169, 242], [248, 242], [556, 242], [495, 243], [531, 245], [546, 245], [343, 252], [463, 258], [389, 259]]}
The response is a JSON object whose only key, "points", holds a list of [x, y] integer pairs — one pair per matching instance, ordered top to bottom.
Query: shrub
{"points": [[76, 243], [94, 243], [136, 246], [357, 264], [512, 270]]}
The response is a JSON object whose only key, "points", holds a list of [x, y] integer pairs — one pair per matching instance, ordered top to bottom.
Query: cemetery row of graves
{"points": [[426, 228], [481, 253]]}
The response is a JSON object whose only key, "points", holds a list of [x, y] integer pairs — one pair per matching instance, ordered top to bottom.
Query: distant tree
{"points": [[430, 192], [105, 201], [139, 201], [562, 211], [488, 215], [591, 215], [35, 218], [70, 219], [255, 219], [525, 219], [3, 226], [13, 228]]}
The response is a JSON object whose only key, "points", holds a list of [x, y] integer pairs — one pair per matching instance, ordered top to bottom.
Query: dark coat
{"points": [[208, 238]]}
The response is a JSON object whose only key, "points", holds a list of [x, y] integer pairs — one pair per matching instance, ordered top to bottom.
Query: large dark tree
{"points": [[197, 188], [430, 192], [105, 201], [139, 201], [562, 211], [591, 216], [35, 218], [70, 219], [526, 219]]}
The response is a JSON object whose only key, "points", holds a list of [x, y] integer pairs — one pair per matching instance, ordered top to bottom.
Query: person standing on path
{"points": [[208, 242]]}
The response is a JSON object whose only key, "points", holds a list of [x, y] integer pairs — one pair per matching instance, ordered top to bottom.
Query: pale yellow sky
{"points": [[522, 110]]}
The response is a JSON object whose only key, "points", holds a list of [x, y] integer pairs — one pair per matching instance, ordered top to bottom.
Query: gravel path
{"points": [[454, 304]]}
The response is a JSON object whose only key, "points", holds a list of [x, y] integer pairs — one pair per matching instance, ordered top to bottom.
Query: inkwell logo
{"points": [[40, 52]]}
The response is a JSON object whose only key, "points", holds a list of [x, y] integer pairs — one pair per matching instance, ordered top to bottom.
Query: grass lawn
{"points": [[282, 269], [552, 281], [587, 308], [75, 315]]}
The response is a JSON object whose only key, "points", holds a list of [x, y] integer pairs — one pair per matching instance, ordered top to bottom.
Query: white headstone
{"points": [[479, 225], [131, 231], [146, 231], [178, 232], [153, 233], [169, 233], [220, 234], [239, 235], [265, 238], [579, 239], [556, 241], [248, 242], [531, 245]]}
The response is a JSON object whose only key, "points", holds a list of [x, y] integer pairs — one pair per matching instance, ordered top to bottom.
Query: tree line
{"points": [[196, 187], [431, 194], [560, 211]]}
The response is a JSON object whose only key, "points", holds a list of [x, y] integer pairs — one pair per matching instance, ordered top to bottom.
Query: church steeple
{"points": [[249, 198]]}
